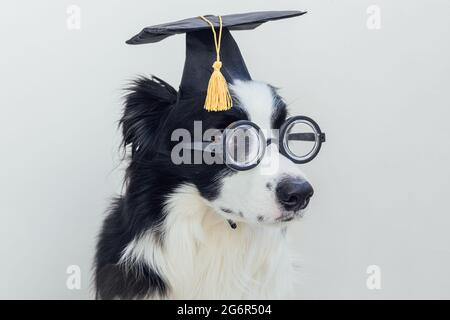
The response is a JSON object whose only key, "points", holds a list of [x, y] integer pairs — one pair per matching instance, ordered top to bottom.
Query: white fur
{"points": [[257, 99], [247, 191], [201, 257]]}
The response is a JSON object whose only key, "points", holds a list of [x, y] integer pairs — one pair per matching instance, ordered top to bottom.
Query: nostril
{"points": [[293, 199], [305, 203]]}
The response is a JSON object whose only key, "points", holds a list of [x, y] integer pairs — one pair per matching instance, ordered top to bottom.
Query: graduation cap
{"points": [[209, 43]]}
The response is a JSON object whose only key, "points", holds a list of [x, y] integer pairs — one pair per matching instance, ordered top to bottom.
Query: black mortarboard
{"points": [[201, 49]]}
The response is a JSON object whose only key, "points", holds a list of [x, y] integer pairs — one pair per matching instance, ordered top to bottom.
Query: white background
{"points": [[383, 97]]}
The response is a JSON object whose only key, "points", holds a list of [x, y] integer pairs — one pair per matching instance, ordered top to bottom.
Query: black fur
{"points": [[152, 111], [280, 112], [150, 115]]}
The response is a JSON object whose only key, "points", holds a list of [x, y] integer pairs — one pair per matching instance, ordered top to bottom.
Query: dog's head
{"points": [[272, 192]]}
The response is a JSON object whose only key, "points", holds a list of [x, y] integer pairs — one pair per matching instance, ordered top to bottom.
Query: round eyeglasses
{"points": [[242, 144]]}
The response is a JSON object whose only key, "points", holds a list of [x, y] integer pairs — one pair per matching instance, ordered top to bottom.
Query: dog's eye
{"points": [[301, 139], [243, 145]]}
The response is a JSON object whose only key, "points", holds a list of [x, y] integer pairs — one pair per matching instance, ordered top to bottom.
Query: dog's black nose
{"points": [[294, 193]]}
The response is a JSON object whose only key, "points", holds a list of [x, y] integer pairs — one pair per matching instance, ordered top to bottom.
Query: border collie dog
{"points": [[198, 231]]}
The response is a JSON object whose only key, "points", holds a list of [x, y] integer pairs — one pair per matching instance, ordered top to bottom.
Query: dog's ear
{"points": [[147, 104]]}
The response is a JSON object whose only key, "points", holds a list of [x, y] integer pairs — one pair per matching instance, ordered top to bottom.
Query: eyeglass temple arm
{"points": [[306, 136], [201, 146]]}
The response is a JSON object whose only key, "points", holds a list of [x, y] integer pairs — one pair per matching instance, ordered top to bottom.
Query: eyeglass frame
{"points": [[318, 137]]}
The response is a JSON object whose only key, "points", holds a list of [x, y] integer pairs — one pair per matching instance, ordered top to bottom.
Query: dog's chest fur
{"points": [[201, 257]]}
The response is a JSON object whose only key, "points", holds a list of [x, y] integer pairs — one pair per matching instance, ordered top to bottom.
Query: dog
{"points": [[198, 231]]}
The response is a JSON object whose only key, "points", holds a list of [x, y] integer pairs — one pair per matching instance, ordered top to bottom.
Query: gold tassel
{"points": [[218, 97]]}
